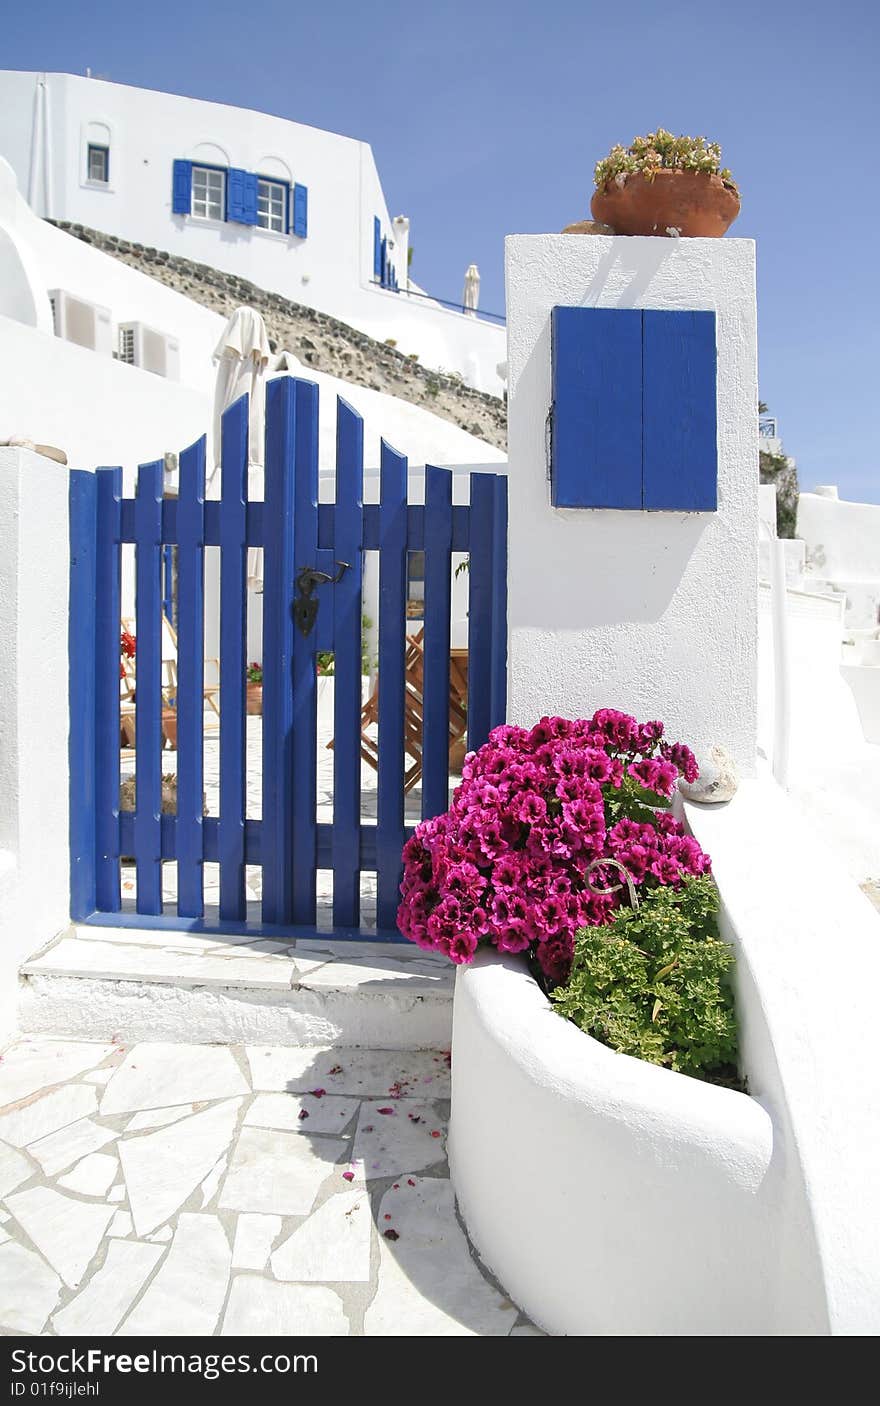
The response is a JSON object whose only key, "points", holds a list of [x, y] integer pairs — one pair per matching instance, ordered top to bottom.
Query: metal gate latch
{"points": [[305, 607]]}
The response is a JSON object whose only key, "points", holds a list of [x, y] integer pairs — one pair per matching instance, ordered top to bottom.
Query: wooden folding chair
{"points": [[413, 710]]}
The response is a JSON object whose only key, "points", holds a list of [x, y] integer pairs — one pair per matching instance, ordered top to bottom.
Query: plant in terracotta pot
{"points": [[666, 185], [254, 702]]}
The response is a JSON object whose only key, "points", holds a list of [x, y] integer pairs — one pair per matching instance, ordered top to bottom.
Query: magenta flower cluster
{"points": [[517, 861]]}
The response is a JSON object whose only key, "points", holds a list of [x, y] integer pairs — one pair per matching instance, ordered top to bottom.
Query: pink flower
{"points": [[512, 862]]}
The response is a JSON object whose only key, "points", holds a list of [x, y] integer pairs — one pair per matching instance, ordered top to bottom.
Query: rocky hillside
{"points": [[315, 339]]}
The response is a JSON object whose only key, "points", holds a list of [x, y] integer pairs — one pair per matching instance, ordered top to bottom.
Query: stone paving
{"points": [[168, 1189]]}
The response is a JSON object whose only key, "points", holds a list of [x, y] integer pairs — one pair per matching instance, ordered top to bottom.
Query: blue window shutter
{"points": [[181, 188], [241, 197], [250, 198], [300, 211], [377, 248], [384, 278], [596, 427], [680, 449]]}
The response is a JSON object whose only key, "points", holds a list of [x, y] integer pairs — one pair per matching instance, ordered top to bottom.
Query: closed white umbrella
{"points": [[471, 299], [242, 355]]}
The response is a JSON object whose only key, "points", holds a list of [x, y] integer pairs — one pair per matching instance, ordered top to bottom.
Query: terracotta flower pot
{"points": [[695, 203], [254, 702], [169, 727]]}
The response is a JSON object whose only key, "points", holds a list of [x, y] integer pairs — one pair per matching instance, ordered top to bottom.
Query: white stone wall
{"points": [[49, 119], [843, 548], [654, 613], [34, 716]]}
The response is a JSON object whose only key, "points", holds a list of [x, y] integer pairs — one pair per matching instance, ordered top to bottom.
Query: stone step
{"points": [[130, 984]]}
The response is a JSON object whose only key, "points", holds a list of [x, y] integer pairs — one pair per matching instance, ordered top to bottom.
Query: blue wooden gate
{"points": [[295, 531]]}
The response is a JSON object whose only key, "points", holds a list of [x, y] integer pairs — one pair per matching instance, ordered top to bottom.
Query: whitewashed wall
{"points": [[49, 120], [843, 548], [654, 613], [34, 844]]}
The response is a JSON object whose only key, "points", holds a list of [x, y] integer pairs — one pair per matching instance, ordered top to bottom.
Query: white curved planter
{"points": [[610, 1196]]}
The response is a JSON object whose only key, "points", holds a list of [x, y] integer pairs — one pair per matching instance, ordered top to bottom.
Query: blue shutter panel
{"points": [[181, 188], [241, 197], [250, 198], [300, 211], [377, 248], [596, 447], [680, 452]]}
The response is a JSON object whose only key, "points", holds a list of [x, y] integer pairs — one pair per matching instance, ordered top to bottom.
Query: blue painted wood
{"points": [[181, 188], [241, 196], [300, 211], [377, 247], [679, 411], [596, 428], [254, 518], [278, 573], [168, 582], [438, 582], [481, 584], [346, 605], [108, 627], [392, 648], [233, 658], [190, 680], [498, 687], [81, 692], [148, 702], [256, 842], [303, 859]]}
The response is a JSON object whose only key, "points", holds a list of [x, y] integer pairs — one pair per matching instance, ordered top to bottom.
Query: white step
{"points": [[130, 984]]}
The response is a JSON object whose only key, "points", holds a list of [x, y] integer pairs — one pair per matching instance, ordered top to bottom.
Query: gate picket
{"points": [[295, 533], [108, 576], [438, 597], [347, 616], [392, 647], [278, 652], [233, 658], [190, 681], [148, 696], [303, 800]]}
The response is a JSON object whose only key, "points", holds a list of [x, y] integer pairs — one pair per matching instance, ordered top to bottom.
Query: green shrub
{"points": [[655, 983]]}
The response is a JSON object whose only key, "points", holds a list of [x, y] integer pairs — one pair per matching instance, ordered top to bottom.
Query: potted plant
{"points": [[666, 185], [254, 701], [604, 1187]]}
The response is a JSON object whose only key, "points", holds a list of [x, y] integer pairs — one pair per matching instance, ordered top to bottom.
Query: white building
{"points": [[293, 209]]}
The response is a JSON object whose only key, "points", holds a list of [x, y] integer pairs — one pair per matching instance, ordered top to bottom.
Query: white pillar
{"points": [[651, 612], [34, 715]]}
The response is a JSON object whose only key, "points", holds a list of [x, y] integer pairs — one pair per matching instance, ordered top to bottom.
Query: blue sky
{"points": [[487, 117]]}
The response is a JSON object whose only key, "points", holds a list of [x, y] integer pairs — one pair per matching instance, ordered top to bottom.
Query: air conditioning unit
{"points": [[86, 324], [154, 351]]}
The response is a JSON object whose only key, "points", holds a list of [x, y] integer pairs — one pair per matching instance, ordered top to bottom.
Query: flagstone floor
{"points": [[216, 1190]]}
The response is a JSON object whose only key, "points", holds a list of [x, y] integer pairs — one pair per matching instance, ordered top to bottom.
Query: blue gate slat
{"points": [[255, 528], [438, 550], [480, 588], [345, 602], [108, 624], [392, 647], [278, 652], [233, 659], [190, 680], [81, 692], [148, 700], [498, 709], [254, 841], [303, 858]]}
